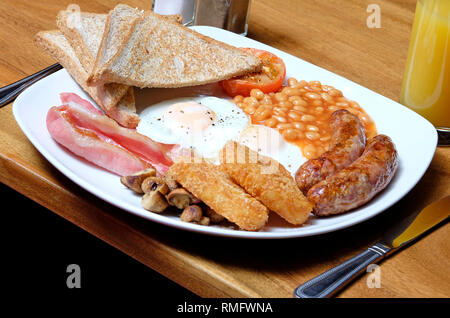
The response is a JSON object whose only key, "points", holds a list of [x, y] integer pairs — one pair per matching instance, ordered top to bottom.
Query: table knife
{"points": [[9, 93], [408, 230]]}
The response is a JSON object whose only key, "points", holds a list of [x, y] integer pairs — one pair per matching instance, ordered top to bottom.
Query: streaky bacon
{"points": [[75, 100], [86, 115], [142, 146], [94, 147]]}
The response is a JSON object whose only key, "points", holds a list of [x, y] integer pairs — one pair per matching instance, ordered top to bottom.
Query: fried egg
{"points": [[203, 124]]}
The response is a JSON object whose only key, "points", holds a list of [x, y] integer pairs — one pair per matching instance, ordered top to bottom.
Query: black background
{"points": [[40, 245]]}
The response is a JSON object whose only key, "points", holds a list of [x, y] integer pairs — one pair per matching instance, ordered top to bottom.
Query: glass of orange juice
{"points": [[426, 82]]}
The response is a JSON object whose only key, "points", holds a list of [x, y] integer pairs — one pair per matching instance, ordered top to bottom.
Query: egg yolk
{"points": [[189, 116]]}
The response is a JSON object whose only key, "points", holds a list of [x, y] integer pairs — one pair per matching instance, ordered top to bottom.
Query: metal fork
{"points": [[9, 92]]}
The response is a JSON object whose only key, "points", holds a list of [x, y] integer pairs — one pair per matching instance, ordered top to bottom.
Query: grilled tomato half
{"points": [[268, 80]]}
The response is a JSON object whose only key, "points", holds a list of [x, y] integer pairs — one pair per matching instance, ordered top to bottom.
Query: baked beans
{"points": [[300, 112]]}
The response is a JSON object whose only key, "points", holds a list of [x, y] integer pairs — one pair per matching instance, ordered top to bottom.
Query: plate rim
{"points": [[211, 230]]}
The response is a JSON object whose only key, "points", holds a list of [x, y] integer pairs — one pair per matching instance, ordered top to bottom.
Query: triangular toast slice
{"points": [[84, 32], [153, 51]]}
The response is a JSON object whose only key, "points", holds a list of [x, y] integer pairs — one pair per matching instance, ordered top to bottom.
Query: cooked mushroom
{"points": [[134, 181], [170, 181], [154, 184], [180, 198], [154, 201], [192, 213], [213, 215], [204, 221]]}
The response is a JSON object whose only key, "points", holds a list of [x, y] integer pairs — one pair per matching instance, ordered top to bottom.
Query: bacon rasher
{"points": [[85, 131]]}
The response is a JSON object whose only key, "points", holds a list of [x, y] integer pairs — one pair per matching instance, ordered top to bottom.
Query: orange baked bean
{"points": [[291, 81], [301, 84], [317, 89], [290, 91], [334, 92], [257, 93], [312, 95], [280, 97], [327, 98], [238, 99], [266, 100], [299, 102], [316, 103], [285, 104], [354, 104], [299, 108], [333, 108], [249, 109], [319, 109], [279, 112], [263, 114], [295, 115], [308, 118], [280, 119], [271, 122], [282, 126], [299, 126], [312, 128], [291, 134], [312, 135], [309, 151]]}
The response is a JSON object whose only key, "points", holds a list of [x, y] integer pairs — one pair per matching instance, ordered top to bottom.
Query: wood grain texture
{"points": [[329, 33]]}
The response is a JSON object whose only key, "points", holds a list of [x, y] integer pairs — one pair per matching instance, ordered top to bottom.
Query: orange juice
{"points": [[426, 82]]}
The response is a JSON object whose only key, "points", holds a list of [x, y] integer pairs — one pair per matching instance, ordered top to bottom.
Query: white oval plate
{"points": [[414, 137]]}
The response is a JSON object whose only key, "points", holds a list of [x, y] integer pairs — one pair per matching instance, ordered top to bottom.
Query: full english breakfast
{"points": [[273, 145]]}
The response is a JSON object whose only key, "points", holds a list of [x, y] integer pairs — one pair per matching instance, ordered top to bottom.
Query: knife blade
{"points": [[418, 224], [405, 232]]}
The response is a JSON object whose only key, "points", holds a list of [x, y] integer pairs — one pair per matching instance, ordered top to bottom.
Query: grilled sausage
{"points": [[346, 145], [358, 183]]}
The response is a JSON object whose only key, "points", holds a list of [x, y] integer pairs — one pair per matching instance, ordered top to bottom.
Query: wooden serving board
{"points": [[331, 34]]}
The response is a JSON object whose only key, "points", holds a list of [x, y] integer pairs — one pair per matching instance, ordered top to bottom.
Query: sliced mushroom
{"points": [[135, 180], [170, 181], [154, 184], [180, 198], [154, 201], [192, 213], [213, 215], [204, 221]]}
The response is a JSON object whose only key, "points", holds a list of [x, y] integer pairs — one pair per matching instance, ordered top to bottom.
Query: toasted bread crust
{"points": [[84, 54], [166, 54], [104, 57], [125, 111]]}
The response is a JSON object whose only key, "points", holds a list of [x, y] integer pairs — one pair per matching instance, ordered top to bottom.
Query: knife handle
{"points": [[10, 92], [331, 281]]}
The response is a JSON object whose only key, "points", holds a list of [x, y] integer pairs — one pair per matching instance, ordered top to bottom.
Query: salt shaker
{"points": [[182, 7], [231, 15]]}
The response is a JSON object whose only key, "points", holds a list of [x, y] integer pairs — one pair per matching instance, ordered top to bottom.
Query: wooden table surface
{"points": [[329, 33]]}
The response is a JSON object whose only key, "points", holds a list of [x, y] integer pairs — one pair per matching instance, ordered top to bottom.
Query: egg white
{"points": [[227, 122]]}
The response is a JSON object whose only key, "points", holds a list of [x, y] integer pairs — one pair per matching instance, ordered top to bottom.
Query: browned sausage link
{"points": [[346, 145], [358, 183]]}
